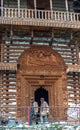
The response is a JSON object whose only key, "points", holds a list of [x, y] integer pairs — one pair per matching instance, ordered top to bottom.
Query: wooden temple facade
{"points": [[39, 54]]}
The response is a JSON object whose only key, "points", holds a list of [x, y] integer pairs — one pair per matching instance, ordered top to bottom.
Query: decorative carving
{"points": [[41, 58], [41, 66]]}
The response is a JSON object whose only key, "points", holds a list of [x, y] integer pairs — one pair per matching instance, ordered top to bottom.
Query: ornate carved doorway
{"points": [[42, 72], [41, 92]]}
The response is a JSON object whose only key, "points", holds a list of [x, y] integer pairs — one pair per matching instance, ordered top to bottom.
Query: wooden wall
{"points": [[57, 5], [15, 42]]}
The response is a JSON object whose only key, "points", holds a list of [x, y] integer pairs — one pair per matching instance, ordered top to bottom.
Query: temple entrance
{"points": [[41, 73], [41, 92]]}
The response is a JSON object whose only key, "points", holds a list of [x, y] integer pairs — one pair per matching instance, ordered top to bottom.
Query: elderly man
{"points": [[44, 110], [33, 111]]}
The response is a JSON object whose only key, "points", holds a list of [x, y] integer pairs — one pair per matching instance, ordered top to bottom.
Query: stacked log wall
{"points": [[11, 49]]}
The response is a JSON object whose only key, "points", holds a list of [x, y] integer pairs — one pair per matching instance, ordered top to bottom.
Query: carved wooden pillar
{"points": [[51, 5], [66, 5], [2, 8], [18, 8], [51, 8], [35, 9], [64, 88], [27, 93], [19, 96], [52, 98], [58, 98]]}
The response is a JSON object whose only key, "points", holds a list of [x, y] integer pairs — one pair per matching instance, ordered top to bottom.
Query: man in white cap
{"points": [[33, 111], [44, 111]]}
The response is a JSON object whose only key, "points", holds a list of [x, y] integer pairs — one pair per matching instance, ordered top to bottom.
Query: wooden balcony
{"points": [[45, 18]]}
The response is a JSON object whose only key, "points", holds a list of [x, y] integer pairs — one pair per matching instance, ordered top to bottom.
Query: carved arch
{"points": [[41, 65]]}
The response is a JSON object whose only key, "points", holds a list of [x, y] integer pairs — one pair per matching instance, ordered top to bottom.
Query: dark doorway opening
{"points": [[43, 5], [41, 92]]}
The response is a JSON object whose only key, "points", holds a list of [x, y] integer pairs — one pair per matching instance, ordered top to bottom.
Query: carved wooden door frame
{"points": [[41, 66]]}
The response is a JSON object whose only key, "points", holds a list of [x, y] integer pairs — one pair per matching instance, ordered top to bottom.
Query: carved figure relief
{"points": [[41, 58]]}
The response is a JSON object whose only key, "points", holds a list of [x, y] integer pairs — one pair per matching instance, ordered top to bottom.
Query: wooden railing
{"points": [[40, 14]]}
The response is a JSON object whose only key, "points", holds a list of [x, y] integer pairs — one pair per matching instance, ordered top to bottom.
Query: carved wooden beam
{"points": [[40, 23], [8, 66], [13, 66], [73, 68]]}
